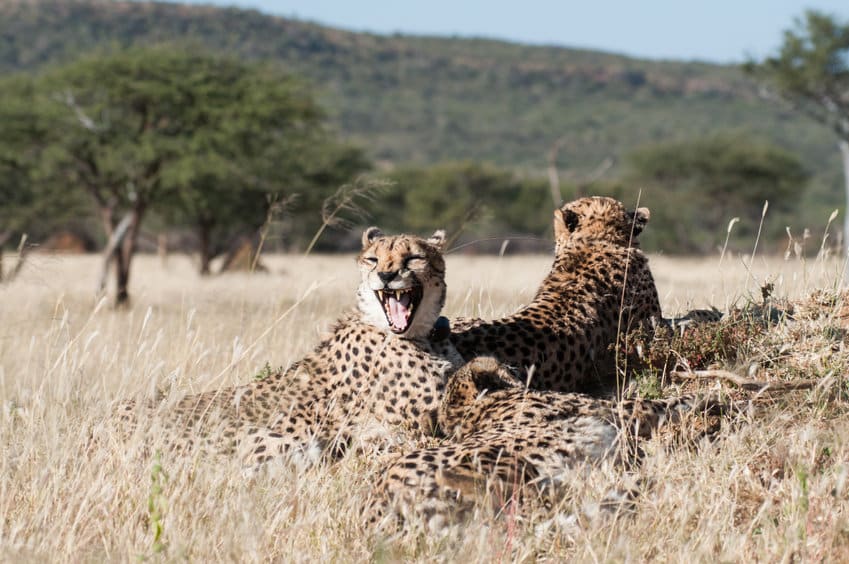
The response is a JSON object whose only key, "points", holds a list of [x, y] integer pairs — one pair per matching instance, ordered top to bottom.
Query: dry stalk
{"points": [[348, 199], [276, 207], [473, 214], [758, 237], [23, 250], [745, 383]]}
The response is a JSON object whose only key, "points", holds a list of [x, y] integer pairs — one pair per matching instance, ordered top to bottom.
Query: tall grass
{"points": [[768, 491]]}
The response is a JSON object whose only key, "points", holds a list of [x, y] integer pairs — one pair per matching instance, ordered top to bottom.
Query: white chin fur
{"points": [[423, 319]]}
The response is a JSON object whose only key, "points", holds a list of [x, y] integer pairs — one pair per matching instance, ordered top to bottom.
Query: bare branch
{"points": [[67, 97], [600, 170], [276, 207], [23, 250]]}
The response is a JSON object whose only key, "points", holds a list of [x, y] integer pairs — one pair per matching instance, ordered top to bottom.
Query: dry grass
{"points": [[773, 487]]}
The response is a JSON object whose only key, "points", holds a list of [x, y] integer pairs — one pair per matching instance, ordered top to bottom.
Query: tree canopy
{"points": [[811, 69], [810, 73], [203, 140], [694, 188], [459, 196], [27, 203]]}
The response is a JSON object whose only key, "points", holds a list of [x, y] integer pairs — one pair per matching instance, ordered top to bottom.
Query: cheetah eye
{"points": [[370, 260], [413, 260]]}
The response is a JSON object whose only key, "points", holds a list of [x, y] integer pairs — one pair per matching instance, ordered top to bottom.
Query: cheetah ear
{"points": [[640, 217], [565, 223], [370, 234], [438, 239], [479, 375], [495, 380]]}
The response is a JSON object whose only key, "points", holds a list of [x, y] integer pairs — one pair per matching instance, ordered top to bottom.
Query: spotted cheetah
{"points": [[598, 289], [381, 365], [505, 437]]}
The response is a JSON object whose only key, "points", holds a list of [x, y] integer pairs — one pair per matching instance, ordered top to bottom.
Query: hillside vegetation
{"points": [[426, 99], [420, 100]]}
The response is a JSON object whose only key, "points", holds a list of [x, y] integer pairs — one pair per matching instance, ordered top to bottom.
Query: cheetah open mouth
{"points": [[400, 306]]}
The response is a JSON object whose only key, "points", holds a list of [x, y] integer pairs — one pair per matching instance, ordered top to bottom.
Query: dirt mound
{"points": [[68, 242]]}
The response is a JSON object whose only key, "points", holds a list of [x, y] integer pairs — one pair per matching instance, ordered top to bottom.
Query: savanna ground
{"points": [[772, 485]]}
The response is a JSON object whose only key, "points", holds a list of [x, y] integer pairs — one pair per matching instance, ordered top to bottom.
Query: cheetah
{"points": [[599, 287], [383, 365], [505, 437]]}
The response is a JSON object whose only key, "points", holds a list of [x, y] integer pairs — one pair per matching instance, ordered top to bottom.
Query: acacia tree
{"points": [[811, 73], [117, 120], [159, 127], [257, 134], [228, 195]]}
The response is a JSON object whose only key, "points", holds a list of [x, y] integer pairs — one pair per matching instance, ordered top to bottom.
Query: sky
{"points": [[722, 31]]}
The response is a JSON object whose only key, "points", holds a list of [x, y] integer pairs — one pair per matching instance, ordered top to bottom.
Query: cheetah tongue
{"points": [[399, 311]]}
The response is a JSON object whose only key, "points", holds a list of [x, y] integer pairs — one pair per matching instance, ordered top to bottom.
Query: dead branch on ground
{"points": [[745, 383]]}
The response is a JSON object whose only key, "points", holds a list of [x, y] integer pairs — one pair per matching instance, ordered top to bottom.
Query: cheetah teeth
{"points": [[398, 294], [399, 306]]}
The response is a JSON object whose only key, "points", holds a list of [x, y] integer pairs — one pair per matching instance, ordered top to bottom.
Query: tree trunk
{"points": [[844, 152], [107, 218], [205, 231], [116, 235], [4, 237], [120, 249], [162, 249], [23, 250], [124, 257], [122, 279]]}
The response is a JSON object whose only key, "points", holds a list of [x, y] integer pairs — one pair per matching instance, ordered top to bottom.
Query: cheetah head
{"points": [[599, 218], [403, 282]]}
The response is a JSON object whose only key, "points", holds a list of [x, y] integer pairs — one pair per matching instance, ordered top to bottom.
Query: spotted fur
{"points": [[598, 289], [362, 376], [506, 438]]}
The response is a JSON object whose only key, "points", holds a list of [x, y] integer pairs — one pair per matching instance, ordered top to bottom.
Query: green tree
{"points": [[811, 73], [117, 121], [257, 134], [194, 136], [331, 169], [696, 187], [459, 195], [28, 204]]}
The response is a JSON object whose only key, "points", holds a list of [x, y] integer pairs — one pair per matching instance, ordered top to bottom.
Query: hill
{"points": [[424, 99]]}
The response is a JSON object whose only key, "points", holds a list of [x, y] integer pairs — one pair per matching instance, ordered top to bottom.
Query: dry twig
{"points": [[744, 383]]}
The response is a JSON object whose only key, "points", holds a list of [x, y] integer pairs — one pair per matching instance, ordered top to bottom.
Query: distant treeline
{"points": [[477, 116], [186, 142], [212, 150]]}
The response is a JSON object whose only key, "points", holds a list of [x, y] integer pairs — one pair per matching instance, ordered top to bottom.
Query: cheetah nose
{"points": [[385, 277]]}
